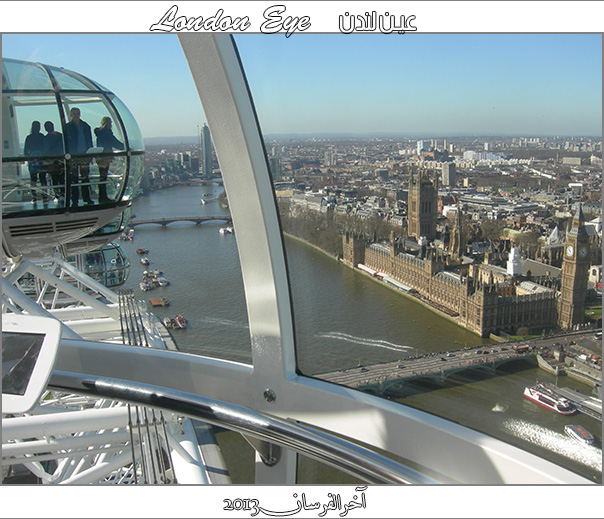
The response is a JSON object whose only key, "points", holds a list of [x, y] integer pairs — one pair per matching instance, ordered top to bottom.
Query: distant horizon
{"points": [[353, 84], [341, 135]]}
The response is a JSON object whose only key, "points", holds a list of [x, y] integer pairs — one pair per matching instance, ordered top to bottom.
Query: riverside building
{"points": [[481, 297]]}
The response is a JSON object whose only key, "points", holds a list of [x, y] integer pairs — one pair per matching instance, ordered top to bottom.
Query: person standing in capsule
{"points": [[78, 139], [106, 140], [34, 147]]}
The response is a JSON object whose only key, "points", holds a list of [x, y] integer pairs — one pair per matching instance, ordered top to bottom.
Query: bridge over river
{"points": [[197, 220], [387, 377]]}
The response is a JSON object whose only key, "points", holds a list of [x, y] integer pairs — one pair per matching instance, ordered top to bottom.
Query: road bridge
{"points": [[197, 220], [387, 378]]}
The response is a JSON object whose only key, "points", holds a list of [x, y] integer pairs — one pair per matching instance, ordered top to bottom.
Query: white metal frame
{"points": [[445, 450]]}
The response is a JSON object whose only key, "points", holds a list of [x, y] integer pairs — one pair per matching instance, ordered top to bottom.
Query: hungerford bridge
{"points": [[197, 220]]}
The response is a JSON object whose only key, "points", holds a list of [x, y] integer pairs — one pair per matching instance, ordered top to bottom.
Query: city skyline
{"points": [[311, 84]]}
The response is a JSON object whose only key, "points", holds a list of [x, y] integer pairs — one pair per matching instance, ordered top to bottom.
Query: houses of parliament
{"points": [[483, 297]]}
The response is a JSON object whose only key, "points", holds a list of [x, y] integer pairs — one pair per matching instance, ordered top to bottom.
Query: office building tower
{"points": [[423, 146], [206, 152], [274, 164], [448, 174]]}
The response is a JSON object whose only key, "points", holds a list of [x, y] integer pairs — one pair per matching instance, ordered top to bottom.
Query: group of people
{"points": [[78, 140], [37, 145]]}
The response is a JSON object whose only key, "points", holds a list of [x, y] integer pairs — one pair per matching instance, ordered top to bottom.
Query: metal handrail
{"points": [[337, 452]]}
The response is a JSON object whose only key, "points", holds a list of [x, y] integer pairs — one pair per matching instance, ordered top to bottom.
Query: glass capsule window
{"points": [[87, 146], [108, 265], [376, 308]]}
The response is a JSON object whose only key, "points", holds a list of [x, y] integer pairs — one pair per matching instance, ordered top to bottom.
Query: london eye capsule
{"points": [[72, 157]]}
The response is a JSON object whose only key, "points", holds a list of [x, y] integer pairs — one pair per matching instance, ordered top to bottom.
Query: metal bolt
{"points": [[269, 395]]}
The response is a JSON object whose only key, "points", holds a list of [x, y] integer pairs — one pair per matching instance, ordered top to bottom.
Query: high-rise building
{"points": [[423, 146], [206, 152], [330, 157], [274, 164], [448, 175], [575, 270]]}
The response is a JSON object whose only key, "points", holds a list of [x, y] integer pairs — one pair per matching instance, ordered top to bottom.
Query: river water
{"points": [[341, 318]]}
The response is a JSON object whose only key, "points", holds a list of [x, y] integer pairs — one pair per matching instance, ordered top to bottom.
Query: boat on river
{"points": [[142, 250], [144, 261], [159, 301], [180, 321], [168, 322], [542, 395], [580, 434]]}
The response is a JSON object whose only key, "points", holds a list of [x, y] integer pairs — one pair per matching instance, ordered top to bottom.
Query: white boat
{"points": [[226, 230], [162, 282], [168, 322], [134, 394], [545, 397], [579, 433]]}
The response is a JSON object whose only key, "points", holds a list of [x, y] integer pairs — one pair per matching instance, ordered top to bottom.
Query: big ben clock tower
{"points": [[575, 268]]}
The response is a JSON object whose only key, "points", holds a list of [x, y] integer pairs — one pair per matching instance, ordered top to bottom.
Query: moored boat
{"points": [[142, 250], [144, 261], [162, 282], [145, 286], [159, 301], [180, 321], [168, 322], [545, 397], [579, 433]]}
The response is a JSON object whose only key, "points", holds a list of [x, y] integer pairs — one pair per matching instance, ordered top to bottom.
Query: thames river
{"points": [[342, 318]]}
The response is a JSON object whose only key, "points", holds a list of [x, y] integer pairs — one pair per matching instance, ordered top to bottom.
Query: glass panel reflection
{"points": [[30, 76], [68, 80], [135, 138], [28, 185], [404, 251]]}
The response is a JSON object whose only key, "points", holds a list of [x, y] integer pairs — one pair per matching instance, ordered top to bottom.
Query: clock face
{"points": [[569, 250], [583, 252]]}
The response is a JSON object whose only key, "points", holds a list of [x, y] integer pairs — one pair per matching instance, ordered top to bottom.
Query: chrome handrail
{"points": [[337, 452]]}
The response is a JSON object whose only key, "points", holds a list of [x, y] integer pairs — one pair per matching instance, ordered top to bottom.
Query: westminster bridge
{"points": [[440, 368], [388, 378]]}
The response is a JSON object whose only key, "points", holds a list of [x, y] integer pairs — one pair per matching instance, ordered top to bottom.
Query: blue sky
{"points": [[415, 84]]}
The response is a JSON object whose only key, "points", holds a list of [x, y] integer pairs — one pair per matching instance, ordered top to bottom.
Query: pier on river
{"points": [[379, 378], [589, 405]]}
